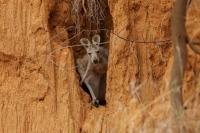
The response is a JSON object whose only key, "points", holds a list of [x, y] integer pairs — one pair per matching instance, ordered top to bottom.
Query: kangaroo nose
{"points": [[95, 61]]}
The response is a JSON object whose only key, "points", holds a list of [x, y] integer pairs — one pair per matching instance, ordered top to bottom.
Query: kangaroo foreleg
{"points": [[86, 72], [95, 101]]}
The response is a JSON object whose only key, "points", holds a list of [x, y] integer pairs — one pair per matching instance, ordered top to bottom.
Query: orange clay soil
{"points": [[39, 87]]}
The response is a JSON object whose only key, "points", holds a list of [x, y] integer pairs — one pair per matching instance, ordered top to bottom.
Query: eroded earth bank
{"points": [[40, 89]]}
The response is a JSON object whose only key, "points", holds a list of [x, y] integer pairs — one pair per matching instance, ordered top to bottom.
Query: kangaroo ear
{"points": [[96, 39], [85, 42]]}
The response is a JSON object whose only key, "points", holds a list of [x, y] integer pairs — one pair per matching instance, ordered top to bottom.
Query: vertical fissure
{"points": [[89, 19], [71, 21]]}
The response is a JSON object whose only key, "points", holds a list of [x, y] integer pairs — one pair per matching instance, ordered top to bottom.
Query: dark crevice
{"points": [[78, 22], [83, 24], [89, 27]]}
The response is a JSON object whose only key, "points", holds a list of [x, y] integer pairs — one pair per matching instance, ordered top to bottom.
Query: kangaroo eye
{"points": [[97, 51]]}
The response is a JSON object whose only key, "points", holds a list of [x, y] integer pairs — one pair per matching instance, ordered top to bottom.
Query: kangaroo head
{"points": [[92, 48]]}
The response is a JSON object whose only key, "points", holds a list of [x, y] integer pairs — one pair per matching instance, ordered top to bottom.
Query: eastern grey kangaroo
{"points": [[92, 68]]}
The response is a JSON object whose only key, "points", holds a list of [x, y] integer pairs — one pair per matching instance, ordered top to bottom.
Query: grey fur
{"points": [[93, 73]]}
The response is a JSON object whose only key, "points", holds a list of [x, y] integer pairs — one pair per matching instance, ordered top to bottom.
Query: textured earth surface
{"points": [[39, 86]]}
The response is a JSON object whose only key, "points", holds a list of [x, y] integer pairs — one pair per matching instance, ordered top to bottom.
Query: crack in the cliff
{"points": [[96, 18], [95, 21]]}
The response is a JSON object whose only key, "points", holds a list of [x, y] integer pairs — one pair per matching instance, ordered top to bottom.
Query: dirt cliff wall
{"points": [[39, 87], [36, 96]]}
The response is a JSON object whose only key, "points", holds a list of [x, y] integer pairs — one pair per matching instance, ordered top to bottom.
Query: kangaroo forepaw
{"points": [[95, 103]]}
